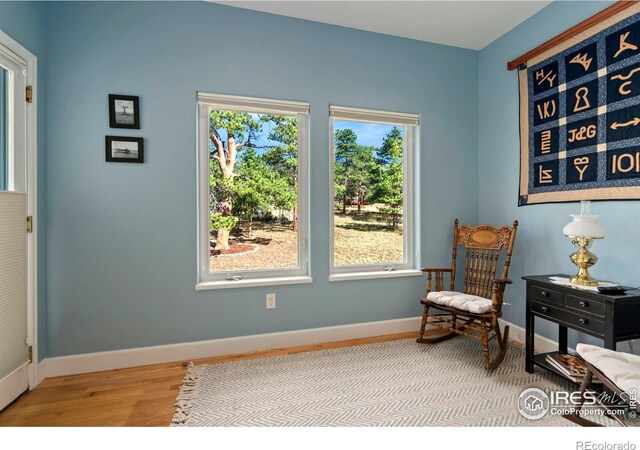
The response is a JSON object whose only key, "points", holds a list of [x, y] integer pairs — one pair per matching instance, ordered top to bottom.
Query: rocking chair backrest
{"points": [[483, 245]]}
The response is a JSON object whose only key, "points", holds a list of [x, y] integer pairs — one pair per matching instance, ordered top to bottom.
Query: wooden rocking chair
{"points": [[474, 312]]}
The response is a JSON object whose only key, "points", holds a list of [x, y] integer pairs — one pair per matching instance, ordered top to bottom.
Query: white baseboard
{"points": [[120, 359]]}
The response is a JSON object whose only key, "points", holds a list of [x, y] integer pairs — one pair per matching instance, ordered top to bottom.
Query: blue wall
{"points": [[23, 21], [120, 246], [540, 246], [121, 253]]}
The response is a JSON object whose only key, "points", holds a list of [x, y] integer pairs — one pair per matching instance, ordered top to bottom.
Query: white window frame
{"points": [[410, 124], [16, 129], [29, 184], [222, 280]]}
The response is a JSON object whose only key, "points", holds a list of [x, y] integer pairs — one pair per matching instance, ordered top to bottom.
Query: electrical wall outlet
{"points": [[271, 301]]}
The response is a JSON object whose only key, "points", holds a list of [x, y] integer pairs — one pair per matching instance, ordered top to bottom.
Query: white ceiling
{"points": [[467, 24]]}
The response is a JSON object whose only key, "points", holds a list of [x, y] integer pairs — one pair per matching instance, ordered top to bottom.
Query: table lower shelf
{"points": [[541, 361]]}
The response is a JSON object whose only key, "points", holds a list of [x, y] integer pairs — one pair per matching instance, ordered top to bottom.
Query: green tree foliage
{"points": [[241, 130], [345, 144], [283, 159], [353, 169], [361, 176], [390, 177], [362, 181], [247, 183], [257, 188], [219, 221]]}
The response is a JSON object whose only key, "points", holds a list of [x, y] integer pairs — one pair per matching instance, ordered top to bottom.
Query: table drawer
{"points": [[546, 295], [584, 305], [544, 309], [570, 319], [585, 322]]}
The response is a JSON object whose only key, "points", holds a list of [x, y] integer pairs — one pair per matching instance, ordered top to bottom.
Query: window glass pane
{"points": [[4, 153], [368, 177], [253, 191]]}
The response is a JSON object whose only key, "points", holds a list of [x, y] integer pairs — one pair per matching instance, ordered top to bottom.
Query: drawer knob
{"points": [[544, 293], [583, 304], [545, 309], [582, 321]]}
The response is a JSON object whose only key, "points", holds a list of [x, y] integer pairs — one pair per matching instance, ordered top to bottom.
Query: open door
{"points": [[14, 200]]}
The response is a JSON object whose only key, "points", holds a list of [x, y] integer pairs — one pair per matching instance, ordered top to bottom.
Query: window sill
{"points": [[374, 275], [224, 284]]}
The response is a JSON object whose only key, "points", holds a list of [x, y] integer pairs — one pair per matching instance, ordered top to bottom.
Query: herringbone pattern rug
{"points": [[396, 383]]}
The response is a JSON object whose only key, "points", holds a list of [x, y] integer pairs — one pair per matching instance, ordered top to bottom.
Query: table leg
{"points": [[562, 339], [609, 339], [529, 344], [611, 344]]}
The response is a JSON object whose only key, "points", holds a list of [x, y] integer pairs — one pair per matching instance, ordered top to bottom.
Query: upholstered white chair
{"points": [[618, 371]]}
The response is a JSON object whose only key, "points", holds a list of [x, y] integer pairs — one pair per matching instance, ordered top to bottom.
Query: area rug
{"points": [[389, 384]]}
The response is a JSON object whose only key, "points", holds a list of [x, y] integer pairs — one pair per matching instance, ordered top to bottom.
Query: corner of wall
{"points": [[42, 177]]}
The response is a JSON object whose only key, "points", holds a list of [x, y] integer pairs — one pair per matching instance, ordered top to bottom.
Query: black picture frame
{"points": [[124, 111], [126, 153]]}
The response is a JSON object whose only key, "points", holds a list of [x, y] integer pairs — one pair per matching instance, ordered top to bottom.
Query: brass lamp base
{"points": [[584, 259], [584, 279]]}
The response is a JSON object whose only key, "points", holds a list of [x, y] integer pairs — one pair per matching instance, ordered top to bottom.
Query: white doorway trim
{"points": [[32, 200]]}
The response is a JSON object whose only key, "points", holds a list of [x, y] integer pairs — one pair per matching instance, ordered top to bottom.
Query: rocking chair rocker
{"points": [[474, 312]]}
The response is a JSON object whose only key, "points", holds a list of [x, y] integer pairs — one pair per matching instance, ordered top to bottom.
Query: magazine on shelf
{"points": [[571, 366]]}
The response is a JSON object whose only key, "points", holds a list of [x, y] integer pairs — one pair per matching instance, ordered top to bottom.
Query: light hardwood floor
{"points": [[139, 396]]}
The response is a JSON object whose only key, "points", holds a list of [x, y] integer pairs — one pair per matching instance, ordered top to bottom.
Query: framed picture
{"points": [[124, 111], [124, 149]]}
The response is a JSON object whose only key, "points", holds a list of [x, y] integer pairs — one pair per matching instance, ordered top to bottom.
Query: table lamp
{"points": [[582, 231]]}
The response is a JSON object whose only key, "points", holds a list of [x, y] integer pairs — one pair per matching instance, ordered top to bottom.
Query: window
{"points": [[13, 113], [252, 177], [372, 220]]}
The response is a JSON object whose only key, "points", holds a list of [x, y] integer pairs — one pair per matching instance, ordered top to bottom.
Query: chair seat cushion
{"points": [[463, 302], [621, 368]]}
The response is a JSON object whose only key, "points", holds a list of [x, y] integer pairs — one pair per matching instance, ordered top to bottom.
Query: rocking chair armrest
{"points": [[439, 278], [502, 282], [499, 286]]}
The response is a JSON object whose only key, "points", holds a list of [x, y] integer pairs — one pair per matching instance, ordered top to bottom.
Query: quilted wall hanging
{"points": [[580, 112]]}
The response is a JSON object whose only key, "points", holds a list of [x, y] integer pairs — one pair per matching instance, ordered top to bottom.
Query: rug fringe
{"points": [[184, 400]]}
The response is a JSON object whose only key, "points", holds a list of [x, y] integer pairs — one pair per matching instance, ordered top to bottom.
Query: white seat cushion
{"points": [[458, 300], [621, 368]]}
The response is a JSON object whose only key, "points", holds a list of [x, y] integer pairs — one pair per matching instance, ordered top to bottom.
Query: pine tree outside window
{"points": [[253, 191], [372, 193]]}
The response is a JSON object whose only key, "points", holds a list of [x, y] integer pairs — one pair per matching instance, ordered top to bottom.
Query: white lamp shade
{"points": [[584, 226]]}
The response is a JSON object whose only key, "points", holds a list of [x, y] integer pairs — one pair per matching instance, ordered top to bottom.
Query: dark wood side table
{"points": [[612, 318]]}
